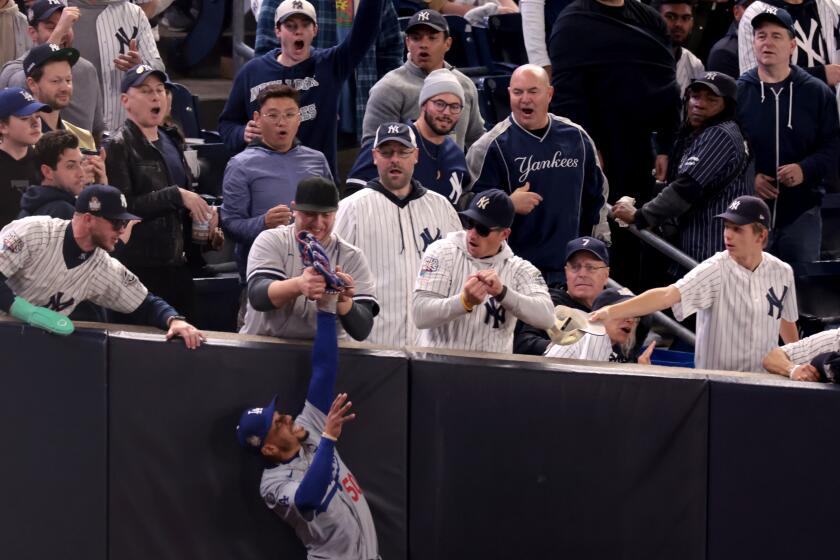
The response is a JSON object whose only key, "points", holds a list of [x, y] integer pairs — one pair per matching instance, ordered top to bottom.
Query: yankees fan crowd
{"points": [[448, 231]]}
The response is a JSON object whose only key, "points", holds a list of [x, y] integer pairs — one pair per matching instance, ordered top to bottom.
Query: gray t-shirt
{"points": [[275, 253], [344, 529]]}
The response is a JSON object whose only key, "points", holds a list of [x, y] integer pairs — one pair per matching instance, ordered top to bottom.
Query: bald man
{"points": [[548, 166]]}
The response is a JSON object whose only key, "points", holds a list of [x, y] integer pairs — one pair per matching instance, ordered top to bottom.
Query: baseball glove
{"points": [[314, 255]]}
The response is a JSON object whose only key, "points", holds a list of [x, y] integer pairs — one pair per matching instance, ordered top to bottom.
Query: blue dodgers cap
{"points": [[779, 16], [136, 75], [19, 103], [104, 201], [492, 208], [746, 210], [589, 244], [254, 425]]}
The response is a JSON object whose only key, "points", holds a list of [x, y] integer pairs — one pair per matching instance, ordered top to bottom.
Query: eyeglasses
{"points": [[454, 108], [280, 117], [402, 154], [117, 224], [480, 229], [587, 267]]}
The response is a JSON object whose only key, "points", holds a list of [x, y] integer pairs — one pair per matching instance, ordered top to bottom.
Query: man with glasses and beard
{"points": [[441, 166], [393, 220], [49, 266], [471, 288]]}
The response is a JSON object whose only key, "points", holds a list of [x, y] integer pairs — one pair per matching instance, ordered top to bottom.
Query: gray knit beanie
{"points": [[440, 81]]}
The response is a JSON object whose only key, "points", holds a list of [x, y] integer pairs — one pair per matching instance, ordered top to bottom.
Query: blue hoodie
{"points": [[318, 79], [808, 134]]}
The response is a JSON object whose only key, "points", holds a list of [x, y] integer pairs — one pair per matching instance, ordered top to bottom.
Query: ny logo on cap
{"points": [[297, 5], [771, 10], [423, 16], [54, 47], [711, 75], [28, 96], [394, 129], [483, 202], [735, 204], [94, 205], [255, 411]]}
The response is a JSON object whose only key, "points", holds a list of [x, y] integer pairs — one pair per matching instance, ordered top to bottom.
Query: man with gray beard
{"points": [[549, 167]]}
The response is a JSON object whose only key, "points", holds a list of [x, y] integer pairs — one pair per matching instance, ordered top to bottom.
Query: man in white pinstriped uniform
{"points": [[393, 220], [471, 288], [744, 298], [794, 360]]}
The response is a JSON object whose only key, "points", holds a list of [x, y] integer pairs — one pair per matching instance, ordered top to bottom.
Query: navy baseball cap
{"points": [[42, 10], [779, 16], [429, 18], [40, 55], [137, 75], [719, 83], [19, 103], [398, 132], [316, 194], [104, 201], [492, 208], [746, 210], [589, 244], [610, 296], [254, 425]]}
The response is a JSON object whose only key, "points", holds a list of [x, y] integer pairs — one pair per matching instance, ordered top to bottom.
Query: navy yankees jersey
{"points": [[719, 160], [561, 165], [440, 168], [393, 234], [739, 311]]}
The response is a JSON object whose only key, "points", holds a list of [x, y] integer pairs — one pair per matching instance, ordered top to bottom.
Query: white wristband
{"points": [[792, 369]]}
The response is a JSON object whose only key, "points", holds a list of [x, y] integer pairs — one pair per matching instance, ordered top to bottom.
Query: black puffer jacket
{"points": [[138, 169]]}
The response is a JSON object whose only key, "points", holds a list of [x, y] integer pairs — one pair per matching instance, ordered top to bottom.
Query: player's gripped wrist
{"points": [[502, 293], [468, 307], [792, 369], [330, 437]]}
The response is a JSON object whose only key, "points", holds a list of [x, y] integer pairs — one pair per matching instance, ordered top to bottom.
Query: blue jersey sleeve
{"points": [[324, 363], [313, 487]]}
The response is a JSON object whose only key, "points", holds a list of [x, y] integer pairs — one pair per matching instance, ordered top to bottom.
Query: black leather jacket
{"points": [[138, 169]]}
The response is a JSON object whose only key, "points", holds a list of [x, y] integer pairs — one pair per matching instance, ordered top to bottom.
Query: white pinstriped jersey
{"points": [[115, 27], [688, 68], [393, 235], [275, 253], [32, 260], [738, 311], [489, 327], [590, 347], [805, 350], [344, 527]]}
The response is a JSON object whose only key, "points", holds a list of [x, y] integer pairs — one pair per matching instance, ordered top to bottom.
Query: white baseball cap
{"points": [[288, 8]]}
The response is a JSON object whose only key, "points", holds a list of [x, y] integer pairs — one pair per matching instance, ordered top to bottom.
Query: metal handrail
{"points": [[242, 53], [661, 245], [663, 320]]}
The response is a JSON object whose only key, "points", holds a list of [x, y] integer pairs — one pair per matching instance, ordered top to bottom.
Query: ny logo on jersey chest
{"points": [[123, 38], [427, 237], [776, 302], [56, 303], [495, 313]]}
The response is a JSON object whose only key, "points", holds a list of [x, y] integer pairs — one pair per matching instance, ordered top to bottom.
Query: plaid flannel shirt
{"points": [[385, 55]]}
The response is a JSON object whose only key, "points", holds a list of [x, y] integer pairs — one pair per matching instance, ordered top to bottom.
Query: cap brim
{"points": [[765, 16], [284, 17], [427, 24], [138, 81], [708, 85], [32, 108], [403, 141], [315, 208], [124, 216], [476, 217], [734, 218], [591, 252], [571, 324]]}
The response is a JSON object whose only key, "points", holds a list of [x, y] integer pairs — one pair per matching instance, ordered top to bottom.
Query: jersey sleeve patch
{"points": [[12, 243], [430, 264]]}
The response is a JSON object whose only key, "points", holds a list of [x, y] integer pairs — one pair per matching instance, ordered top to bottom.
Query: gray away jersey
{"points": [[393, 238], [275, 253], [32, 260], [738, 311], [489, 327], [805, 350], [342, 529]]}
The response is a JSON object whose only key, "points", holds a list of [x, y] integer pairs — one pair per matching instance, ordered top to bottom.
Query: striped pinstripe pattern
{"points": [[807, 349]]}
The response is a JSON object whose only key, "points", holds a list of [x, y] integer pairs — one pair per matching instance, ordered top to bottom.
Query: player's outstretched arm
{"points": [[649, 302], [156, 312], [777, 361], [324, 363]]}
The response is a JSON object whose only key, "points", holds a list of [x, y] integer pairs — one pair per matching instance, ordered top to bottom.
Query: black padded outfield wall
{"points": [[53, 441], [510, 463], [180, 485], [774, 489]]}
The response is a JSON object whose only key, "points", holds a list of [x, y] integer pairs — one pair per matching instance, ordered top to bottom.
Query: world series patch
{"points": [[12, 243], [430, 264]]}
